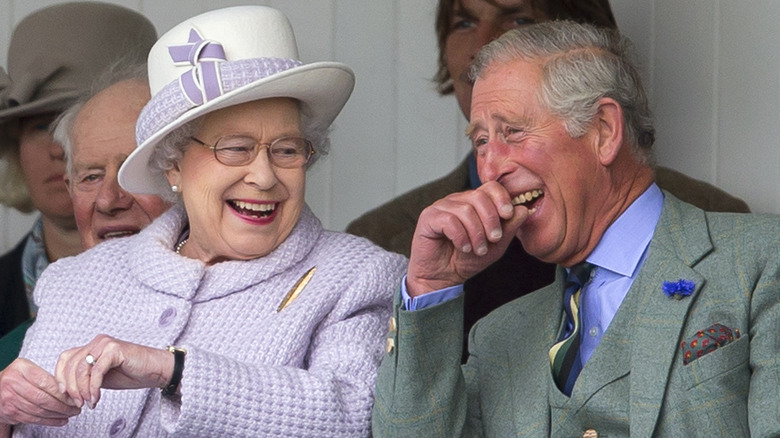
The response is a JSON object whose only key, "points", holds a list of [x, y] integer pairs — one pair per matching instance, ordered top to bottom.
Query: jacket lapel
{"points": [[680, 241], [542, 312], [602, 368]]}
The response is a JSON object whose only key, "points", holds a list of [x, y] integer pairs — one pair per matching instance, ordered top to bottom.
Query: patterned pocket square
{"points": [[706, 341]]}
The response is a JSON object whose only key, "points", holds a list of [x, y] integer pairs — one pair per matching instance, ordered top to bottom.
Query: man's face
{"points": [[474, 24], [103, 137], [524, 147]]}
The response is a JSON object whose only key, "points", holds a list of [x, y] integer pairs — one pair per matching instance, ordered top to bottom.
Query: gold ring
{"points": [[90, 359]]}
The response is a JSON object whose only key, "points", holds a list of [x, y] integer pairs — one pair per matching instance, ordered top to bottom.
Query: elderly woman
{"points": [[54, 55], [234, 313]]}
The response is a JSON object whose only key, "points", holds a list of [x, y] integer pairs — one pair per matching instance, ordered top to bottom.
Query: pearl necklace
{"points": [[180, 246]]}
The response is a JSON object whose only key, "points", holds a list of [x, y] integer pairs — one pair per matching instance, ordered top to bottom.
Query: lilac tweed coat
{"points": [[307, 371]]}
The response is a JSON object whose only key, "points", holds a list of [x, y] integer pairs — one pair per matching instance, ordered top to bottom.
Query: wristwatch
{"points": [[178, 369]]}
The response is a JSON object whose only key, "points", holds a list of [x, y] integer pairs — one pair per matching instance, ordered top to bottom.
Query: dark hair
{"points": [[596, 12]]}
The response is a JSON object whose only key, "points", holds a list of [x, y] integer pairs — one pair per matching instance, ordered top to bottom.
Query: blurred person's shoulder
{"points": [[699, 193]]}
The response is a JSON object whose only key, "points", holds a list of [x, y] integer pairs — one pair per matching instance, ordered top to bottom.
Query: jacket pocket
{"points": [[716, 363]]}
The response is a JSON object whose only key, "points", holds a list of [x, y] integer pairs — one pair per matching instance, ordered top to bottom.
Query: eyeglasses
{"points": [[239, 150]]}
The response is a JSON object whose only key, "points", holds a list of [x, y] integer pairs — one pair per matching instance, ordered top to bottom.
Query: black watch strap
{"points": [[178, 369]]}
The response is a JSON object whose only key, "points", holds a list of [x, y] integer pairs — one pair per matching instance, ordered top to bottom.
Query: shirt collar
{"points": [[623, 245]]}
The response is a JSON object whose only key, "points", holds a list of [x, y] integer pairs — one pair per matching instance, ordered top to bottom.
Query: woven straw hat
{"points": [[56, 52], [223, 58]]}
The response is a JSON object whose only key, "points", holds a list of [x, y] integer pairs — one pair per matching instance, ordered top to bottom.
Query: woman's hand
{"points": [[117, 365], [28, 394]]}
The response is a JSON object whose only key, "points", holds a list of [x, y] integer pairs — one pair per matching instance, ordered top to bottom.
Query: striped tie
{"points": [[565, 354]]}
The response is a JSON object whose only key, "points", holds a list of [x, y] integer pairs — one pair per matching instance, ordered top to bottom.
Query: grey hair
{"points": [[582, 64], [122, 70], [62, 135], [169, 151]]}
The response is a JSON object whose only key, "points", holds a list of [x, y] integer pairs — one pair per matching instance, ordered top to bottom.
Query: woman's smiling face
{"points": [[241, 212]]}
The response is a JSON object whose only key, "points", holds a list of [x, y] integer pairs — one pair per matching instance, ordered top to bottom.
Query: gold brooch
{"points": [[299, 285]]}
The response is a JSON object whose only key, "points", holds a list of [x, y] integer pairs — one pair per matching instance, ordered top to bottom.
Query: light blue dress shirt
{"points": [[618, 258]]}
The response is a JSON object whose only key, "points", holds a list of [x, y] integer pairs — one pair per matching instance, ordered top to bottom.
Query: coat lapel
{"points": [[680, 241], [541, 312], [602, 368]]}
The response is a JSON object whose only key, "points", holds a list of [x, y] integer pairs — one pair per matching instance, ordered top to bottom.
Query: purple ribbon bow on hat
{"points": [[203, 82]]}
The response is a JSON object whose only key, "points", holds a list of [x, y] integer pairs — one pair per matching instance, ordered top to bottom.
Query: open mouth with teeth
{"points": [[528, 199], [252, 209], [118, 234]]}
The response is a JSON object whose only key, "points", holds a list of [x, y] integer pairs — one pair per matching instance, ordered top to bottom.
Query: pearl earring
{"points": [[174, 188]]}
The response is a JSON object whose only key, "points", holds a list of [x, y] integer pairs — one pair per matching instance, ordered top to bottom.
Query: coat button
{"points": [[167, 317], [392, 325], [389, 345], [117, 427], [590, 433]]}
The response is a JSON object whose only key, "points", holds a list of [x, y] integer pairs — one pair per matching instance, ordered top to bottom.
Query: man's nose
{"points": [[493, 160], [111, 197]]}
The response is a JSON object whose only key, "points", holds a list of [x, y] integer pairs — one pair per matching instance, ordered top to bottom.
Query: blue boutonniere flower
{"points": [[678, 289]]}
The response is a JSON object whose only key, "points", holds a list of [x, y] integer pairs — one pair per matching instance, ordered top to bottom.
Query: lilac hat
{"points": [[223, 58]]}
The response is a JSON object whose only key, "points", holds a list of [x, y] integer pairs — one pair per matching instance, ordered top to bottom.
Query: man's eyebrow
{"points": [[517, 7], [458, 8], [465, 11], [519, 120], [514, 121], [471, 128], [88, 166]]}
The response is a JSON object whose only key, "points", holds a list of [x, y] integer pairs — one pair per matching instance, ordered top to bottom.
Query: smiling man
{"points": [[462, 28], [97, 136], [660, 313]]}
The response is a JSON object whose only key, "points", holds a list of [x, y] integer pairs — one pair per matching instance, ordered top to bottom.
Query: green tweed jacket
{"points": [[635, 383]]}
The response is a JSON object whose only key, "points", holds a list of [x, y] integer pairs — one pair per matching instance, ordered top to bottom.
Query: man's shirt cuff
{"points": [[429, 299]]}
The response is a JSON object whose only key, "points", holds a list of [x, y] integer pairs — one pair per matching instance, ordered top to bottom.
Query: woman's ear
{"points": [[609, 125], [174, 177]]}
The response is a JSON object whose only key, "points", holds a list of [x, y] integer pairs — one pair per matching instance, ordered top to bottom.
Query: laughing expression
{"points": [[524, 147], [240, 212]]}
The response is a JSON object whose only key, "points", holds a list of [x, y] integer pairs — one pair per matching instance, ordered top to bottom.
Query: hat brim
{"points": [[322, 88], [52, 104]]}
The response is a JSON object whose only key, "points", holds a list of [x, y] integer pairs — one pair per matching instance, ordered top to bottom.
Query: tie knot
{"points": [[580, 273]]}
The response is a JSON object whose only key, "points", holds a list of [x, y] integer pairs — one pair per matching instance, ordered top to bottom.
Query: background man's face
{"points": [[474, 24], [103, 137]]}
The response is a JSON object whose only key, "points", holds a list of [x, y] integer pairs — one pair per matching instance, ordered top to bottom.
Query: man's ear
{"points": [[609, 125]]}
